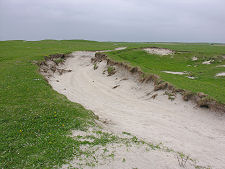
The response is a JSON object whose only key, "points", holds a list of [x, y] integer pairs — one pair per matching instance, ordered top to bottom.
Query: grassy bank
{"points": [[205, 80]]}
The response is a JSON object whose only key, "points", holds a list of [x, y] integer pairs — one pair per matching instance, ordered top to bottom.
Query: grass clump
{"points": [[59, 60], [95, 66], [111, 70], [187, 95], [171, 96]]}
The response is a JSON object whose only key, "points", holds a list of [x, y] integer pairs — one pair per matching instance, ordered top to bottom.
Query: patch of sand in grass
{"points": [[121, 48], [158, 51], [194, 58], [206, 62], [220, 66], [175, 73], [179, 73], [220, 74], [191, 77], [179, 125]]}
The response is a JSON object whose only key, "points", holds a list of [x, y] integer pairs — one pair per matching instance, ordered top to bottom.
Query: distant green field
{"points": [[182, 61], [35, 119]]}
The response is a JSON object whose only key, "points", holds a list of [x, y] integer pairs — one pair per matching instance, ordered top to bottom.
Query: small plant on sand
{"points": [[59, 60], [95, 66], [111, 70], [187, 95], [171, 96], [182, 159]]}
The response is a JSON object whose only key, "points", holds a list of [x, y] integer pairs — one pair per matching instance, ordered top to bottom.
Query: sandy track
{"points": [[177, 124]]}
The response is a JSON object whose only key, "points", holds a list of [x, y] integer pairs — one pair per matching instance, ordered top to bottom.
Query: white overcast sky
{"points": [[113, 20]]}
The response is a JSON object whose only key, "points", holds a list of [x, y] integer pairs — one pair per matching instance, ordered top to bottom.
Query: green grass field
{"points": [[35, 120]]}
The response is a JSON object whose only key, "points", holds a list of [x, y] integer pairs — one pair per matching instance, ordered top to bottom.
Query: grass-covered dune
{"points": [[205, 74], [35, 120]]}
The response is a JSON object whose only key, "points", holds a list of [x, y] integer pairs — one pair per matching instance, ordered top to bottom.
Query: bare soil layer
{"points": [[142, 109]]}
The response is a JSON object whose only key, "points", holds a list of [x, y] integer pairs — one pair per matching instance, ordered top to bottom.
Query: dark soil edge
{"points": [[48, 70]]}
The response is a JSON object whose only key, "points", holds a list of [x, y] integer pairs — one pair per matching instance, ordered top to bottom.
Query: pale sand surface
{"points": [[158, 51], [194, 58], [206, 62], [220, 66], [175, 73], [220, 74], [179, 125], [126, 157], [133, 157]]}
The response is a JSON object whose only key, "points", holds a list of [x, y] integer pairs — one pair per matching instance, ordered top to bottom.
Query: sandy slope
{"points": [[129, 107]]}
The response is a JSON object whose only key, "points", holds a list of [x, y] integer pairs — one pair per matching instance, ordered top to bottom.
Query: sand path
{"points": [[129, 107]]}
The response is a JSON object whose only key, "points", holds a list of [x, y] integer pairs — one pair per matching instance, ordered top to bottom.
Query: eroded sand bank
{"points": [[130, 107]]}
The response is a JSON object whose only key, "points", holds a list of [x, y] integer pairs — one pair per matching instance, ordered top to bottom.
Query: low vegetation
{"points": [[58, 61], [95, 66], [111, 70], [99, 146]]}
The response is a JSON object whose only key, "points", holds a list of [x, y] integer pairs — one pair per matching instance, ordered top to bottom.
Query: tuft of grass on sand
{"points": [[95, 66], [111, 70]]}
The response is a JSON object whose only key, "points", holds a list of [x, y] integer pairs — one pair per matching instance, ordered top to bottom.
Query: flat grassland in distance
{"points": [[204, 74], [35, 120]]}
